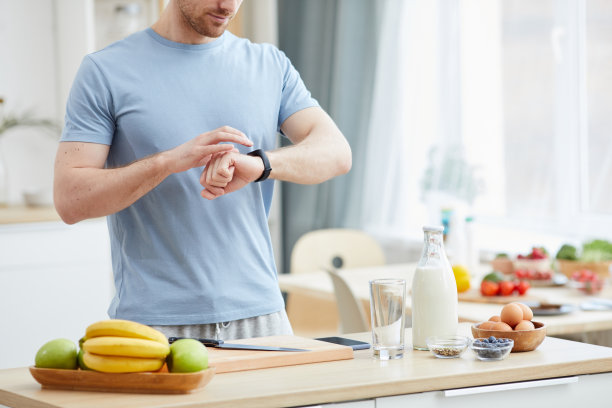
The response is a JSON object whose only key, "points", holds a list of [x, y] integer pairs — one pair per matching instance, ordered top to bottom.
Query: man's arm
{"points": [[319, 152], [84, 189]]}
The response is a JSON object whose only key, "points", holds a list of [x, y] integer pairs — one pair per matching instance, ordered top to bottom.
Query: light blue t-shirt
{"points": [[179, 258]]}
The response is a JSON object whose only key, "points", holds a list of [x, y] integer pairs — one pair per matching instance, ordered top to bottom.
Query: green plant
{"points": [[26, 119], [449, 172]]}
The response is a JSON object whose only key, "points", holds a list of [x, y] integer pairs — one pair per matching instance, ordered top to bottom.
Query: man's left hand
{"points": [[228, 172]]}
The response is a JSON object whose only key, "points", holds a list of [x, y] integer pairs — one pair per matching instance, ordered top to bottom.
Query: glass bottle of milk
{"points": [[434, 292]]}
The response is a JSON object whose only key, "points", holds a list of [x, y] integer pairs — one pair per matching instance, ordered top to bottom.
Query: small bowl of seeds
{"points": [[447, 346]]}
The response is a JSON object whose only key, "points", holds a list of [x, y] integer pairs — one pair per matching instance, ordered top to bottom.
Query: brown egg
{"points": [[527, 312], [511, 314], [495, 319], [488, 325], [524, 325], [501, 326]]}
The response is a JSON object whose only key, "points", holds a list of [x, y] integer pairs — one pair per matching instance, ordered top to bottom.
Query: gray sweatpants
{"points": [[274, 324]]}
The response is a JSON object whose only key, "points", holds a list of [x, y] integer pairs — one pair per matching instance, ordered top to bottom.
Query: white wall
{"points": [[42, 43], [27, 81]]}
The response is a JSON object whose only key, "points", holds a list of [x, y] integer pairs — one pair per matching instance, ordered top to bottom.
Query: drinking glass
{"points": [[387, 308]]}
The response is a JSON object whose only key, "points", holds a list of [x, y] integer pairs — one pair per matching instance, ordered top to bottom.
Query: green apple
{"points": [[57, 353], [187, 356], [80, 360]]}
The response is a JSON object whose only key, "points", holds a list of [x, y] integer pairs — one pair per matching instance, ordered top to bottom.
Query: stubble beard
{"points": [[202, 23]]}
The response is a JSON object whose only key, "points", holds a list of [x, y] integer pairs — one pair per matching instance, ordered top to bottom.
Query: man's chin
{"points": [[214, 31]]}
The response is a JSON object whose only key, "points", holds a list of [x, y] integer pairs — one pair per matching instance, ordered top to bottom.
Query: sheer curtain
{"points": [[516, 95], [404, 119]]}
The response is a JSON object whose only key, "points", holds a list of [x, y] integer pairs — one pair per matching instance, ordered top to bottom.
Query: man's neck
{"points": [[173, 26]]}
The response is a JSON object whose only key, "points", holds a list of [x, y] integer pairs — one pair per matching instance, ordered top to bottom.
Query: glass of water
{"points": [[387, 308]]}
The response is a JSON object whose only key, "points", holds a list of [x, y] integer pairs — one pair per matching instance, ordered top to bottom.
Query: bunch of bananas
{"points": [[123, 346]]}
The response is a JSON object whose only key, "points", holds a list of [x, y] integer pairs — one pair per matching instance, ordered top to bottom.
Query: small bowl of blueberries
{"points": [[491, 348]]}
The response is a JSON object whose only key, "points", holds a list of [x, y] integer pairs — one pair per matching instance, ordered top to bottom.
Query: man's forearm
{"points": [[323, 154], [83, 188], [84, 192]]}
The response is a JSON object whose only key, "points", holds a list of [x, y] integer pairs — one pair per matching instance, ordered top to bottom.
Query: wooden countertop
{"points": [[24, 214], [318, 285], [360, 378]]}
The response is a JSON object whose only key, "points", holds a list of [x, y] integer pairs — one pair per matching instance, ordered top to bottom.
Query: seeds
{"points": [[447, 351]]}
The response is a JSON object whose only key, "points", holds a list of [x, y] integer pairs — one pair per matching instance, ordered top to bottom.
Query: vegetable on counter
{"points": [[597, 250], [567, 252], [536, 253], [496, 284]]}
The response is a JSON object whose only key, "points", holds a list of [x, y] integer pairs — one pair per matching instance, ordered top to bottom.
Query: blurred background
{"points": [[495, 110], [488, 116]]}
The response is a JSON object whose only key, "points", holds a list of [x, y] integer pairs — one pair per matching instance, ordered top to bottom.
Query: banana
{"points": [[124, 328], [126, 346], [114, 364]]}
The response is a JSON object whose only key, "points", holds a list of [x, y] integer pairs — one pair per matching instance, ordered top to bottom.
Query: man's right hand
{"points": [[198, 151], [84, 188]]}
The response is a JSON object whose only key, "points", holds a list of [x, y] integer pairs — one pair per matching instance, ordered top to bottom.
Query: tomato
{"points": [[523, 287], [489, 288], [506, 288]]}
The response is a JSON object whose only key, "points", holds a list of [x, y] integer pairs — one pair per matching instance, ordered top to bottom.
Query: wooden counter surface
{"points": [[24, 214], [318, 285], [360, 378]]}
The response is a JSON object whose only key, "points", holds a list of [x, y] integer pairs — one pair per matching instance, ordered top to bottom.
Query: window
{"points": [[536, 88], [522, 92]]}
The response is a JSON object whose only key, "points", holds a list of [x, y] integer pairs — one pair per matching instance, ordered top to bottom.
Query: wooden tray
{"points": [[143, 383]]}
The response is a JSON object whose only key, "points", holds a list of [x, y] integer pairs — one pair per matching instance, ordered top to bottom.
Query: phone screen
{"points": [[355, 344]]}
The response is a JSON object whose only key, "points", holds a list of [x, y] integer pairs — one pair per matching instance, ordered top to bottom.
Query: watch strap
{"points": [[267, 169]]}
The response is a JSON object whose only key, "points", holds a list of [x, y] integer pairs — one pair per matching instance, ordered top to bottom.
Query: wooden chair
{"points": [[335, 248], [327, 249], [350, 309]]}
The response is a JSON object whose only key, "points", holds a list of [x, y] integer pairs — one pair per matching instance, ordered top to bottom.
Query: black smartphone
{"points": [[355, 344]]}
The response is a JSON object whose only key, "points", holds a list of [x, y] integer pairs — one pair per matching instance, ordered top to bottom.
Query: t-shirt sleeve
{"points": [[294, 96], [89, 110]]}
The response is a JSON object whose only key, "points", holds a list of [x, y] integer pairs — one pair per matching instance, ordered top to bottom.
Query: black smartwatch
{"points": [[266, 163]]}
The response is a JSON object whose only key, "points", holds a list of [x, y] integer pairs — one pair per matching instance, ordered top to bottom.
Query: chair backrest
{"points": [[334, 249], [350, 310]]}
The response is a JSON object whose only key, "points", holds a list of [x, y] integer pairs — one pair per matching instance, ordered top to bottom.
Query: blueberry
{"points": [[492, 339]]}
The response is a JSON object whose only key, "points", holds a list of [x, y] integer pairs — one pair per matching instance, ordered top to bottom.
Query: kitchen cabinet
{"points": [[55, 279], [585, 389]]}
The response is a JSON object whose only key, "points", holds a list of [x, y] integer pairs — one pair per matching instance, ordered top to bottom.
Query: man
{"points": [[143, 117]]}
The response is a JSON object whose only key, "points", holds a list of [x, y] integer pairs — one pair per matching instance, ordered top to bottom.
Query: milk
{"points": [[434, 304]]}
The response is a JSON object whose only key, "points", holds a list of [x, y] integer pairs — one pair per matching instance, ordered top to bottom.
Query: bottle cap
{"points": [[433, 228]]}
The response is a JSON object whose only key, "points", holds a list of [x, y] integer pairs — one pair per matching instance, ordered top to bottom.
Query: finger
{"points": [[221, 136], [208, 152], [206, 159], [214, 168], [220, 170], [203, 176], [218, 180], [209, 194]]}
